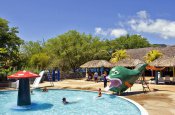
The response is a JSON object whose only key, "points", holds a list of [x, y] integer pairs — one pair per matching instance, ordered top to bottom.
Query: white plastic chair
{"points": [[167, 79], [173, 80], [161, 81], [15, 84]]}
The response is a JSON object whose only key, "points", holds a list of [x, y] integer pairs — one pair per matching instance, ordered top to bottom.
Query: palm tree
{"points": [[118, 55], [152, 55]]}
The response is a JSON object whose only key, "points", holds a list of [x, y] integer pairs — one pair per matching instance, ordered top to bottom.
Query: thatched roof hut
{"points": [[139, 53], [136, 55], [128, 62], [164, 62], [97, 64]]}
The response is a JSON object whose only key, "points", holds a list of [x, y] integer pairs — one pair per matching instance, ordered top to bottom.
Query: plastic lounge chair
{"points": [[167, 79], [173, 80], [151, 81], [161, 81], [15, 84]]}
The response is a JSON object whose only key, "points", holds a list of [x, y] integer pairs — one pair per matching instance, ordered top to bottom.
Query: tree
{"points": [[131, 42], [9, 45], [29, 48], [72, 49], [3, 51], [34, 55], [118, 55], [152, 55], [39, 60]]}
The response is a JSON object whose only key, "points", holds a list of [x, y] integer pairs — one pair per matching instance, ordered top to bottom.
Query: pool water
{"points": [[81, 103]]}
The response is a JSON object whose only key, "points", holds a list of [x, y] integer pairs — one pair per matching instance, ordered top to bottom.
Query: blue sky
{"points": [[44, 19]]}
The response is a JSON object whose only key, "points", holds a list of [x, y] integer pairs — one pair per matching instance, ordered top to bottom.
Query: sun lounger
{"points": [[167, 79], [173, 80], [151, 81], [161, 81], [15, 84]]}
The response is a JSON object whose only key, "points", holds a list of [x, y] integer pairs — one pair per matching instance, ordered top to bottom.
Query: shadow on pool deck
{"points": [[140, 92], [132, 93]]}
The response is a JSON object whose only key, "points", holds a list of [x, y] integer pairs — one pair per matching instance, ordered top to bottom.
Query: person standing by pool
{"points": [[90, 76], [96, 77], [105, 79]]}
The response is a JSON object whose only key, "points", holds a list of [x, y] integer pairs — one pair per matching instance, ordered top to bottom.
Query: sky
{"points": [[39, 20]]}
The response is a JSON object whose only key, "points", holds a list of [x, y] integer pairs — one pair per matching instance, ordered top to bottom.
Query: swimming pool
{"points": [[81, 103]]}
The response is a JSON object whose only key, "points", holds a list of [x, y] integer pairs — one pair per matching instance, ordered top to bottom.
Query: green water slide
{"points": [[122, 78]]}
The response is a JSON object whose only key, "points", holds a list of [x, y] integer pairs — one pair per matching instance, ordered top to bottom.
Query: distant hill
{"points": [[159, 45], [139, 53]]}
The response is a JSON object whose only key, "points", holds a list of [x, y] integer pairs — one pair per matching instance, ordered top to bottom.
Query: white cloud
{"points": [[142, 14], [141, 23], [163, 28], [99, 30], [118, 32]]}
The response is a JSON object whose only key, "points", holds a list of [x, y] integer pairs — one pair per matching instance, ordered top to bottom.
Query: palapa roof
{"points": [[139, 53], [136, 56], [129, 62], [164, 62], [96, 64]]}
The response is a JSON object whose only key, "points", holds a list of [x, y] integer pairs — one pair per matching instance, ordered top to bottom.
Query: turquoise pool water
{"points": [[81, 103]]}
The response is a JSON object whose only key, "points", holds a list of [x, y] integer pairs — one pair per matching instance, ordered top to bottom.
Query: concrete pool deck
{"points": [[160, 101]]}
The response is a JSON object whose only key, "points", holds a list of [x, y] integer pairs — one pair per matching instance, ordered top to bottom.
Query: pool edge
{"points": [[142, 110]]}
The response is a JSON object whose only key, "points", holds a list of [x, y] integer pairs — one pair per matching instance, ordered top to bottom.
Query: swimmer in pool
{"points": [[45, 89], [99, 92], [64, 101]]}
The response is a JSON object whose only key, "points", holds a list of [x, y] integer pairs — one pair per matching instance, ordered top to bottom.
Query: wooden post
{"points": [[86, 73]]}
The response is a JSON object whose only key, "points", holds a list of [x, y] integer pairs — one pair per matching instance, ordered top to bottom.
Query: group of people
{"points": [[95, 75], [91, 76]]}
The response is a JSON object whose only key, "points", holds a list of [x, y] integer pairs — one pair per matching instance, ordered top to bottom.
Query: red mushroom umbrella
{"points": [[23, 74], [24, 87]]}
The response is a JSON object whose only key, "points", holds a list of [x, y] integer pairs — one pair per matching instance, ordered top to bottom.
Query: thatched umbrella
{"points": [[129, 62], [164, 62], [97, 64]]}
